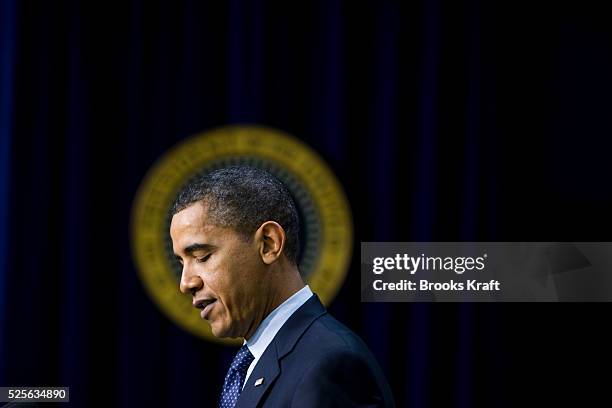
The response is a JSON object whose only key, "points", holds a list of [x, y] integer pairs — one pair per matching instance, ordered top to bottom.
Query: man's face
{"points": [[224, 273]]}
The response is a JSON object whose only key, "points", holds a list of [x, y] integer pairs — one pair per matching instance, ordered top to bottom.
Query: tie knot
{"points": [[243, 359]]}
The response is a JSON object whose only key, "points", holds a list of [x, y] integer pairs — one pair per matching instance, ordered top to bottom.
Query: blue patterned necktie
{"points": [[235, 377]]}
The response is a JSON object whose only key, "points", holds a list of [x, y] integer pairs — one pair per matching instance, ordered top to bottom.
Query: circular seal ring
{"points": [[325, 219]]}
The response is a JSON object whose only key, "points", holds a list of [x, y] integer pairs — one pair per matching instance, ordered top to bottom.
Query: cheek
{"points": [[234, 278], [223, 285], [236, 299]]}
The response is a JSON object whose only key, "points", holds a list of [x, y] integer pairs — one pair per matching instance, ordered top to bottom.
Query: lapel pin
{"points": [[259, 381]]}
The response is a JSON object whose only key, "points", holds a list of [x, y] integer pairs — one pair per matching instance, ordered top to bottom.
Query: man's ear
{"points": [[271, 238]]}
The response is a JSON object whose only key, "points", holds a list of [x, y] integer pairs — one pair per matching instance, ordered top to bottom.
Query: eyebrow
{"points": [[195, 247]]}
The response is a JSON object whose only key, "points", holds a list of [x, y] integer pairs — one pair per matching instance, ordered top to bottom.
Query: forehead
{"points": [[194, 216], [190, 221], [193, 225]]}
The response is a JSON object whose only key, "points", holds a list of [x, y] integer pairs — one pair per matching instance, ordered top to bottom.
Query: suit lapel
{"points": [[268, 366]]}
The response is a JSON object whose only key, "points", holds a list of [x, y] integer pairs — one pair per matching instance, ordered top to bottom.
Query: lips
{"points": [[206, 305], [206, 311]]}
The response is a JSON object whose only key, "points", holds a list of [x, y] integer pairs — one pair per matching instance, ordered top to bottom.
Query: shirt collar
{"points": [[268, 328]]}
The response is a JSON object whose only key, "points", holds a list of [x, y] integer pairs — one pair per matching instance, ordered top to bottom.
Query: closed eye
{"points": [[204, 259]]}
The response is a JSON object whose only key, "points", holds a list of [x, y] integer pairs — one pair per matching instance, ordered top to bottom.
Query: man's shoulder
{"points": [[312, 337], [327, 338], [324, 363], [331, 363]]}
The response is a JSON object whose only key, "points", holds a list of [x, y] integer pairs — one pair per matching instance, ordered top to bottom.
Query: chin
{"points": [[218, 332], [221, 332]]}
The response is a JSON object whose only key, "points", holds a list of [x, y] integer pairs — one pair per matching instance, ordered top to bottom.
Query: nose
{"points": [[190, 283]]}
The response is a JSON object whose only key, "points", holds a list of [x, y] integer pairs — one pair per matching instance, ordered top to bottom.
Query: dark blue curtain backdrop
{"points": [[444, 121]]}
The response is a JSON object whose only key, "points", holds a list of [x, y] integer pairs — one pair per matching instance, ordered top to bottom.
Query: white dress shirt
{"points": [[268, 328]]}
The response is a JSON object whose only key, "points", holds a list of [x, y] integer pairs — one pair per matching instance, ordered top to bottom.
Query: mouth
{"points": [[206, 305]]}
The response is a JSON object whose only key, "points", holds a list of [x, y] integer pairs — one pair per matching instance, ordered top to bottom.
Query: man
{"points": [[235, 233]]}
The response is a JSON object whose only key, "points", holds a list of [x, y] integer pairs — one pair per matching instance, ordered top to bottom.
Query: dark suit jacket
{"points": [[315, 361]]}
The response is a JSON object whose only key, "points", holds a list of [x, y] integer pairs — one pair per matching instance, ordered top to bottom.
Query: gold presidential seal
{"points": [[326, 229]]}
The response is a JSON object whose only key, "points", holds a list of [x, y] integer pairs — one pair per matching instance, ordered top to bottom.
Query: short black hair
{"points": [[243, 198]]}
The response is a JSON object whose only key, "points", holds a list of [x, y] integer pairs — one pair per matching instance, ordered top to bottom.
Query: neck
{"points": [[287, 283]]}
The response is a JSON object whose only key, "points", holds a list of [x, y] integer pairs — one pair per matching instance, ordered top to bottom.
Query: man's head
{"points": [[235, 232]]}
